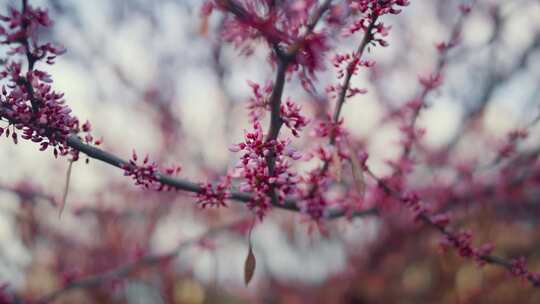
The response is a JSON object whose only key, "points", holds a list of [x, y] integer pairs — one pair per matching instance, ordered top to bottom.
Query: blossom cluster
{"points": [[378, 7], [369, 11], [288, 27], [347, 64], [27, 101], [258, 102], [292, 118], [327, 128], [513, 138], [265, 165], [147, 174], [258, 178], [214, 196], [314, 201], [462, 242], [518, 268]]}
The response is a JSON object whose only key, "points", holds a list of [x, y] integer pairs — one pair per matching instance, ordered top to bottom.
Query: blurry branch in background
{"points": [[496, 76], [432, 81], [515, 141], [26, 194], [453, 237], [146, 260]]}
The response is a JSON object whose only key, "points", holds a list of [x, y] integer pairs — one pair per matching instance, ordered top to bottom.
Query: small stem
{"points": [[441, 63], [350, 71], [343, 94]]}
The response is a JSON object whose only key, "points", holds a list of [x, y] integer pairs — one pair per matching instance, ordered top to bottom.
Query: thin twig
{"points": [[441, 63], [343, 93]]}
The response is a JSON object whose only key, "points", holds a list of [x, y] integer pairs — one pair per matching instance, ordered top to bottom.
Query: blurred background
{"points": [[155, 77]]}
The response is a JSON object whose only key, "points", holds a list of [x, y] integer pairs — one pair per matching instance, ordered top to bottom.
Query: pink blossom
{"points": [[258, 179]]}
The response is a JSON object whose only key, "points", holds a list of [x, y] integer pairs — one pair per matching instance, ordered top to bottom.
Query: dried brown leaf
{"points": [[203, 26], [336, 168], [357, 173], [249, 266]]}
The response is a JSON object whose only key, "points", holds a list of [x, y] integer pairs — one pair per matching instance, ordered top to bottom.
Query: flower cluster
{"points": [[370, 10], [286, 26], [311, 54], [347, 64], [431, 81], [27, 100], [258, 103], [292, 118], [326, 128], [512, 139], [148, 174], [260, 180], [214, 196], [412, 201], [314, 202], [462, 242], [518, 268]]}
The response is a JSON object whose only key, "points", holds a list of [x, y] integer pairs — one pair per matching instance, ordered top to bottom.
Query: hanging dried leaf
{"points": [[203, 26], [336, 165], [357, 173], [66, 188], [249, 266]]}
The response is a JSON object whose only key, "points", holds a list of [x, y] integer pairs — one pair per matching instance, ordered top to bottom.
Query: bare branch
{"points": [[126, 269]]}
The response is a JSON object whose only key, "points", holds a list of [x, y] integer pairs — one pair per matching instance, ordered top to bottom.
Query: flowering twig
{"points": [[368, 36], [284, 60], [351, 68], [432, 81], [269, 183], [181, 184], [461, 241]]}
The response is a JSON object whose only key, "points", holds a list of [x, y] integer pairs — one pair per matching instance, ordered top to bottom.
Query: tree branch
{"points": [[284, 59], [441, 63], [343, 93], [180, 184], [424, 218]]}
